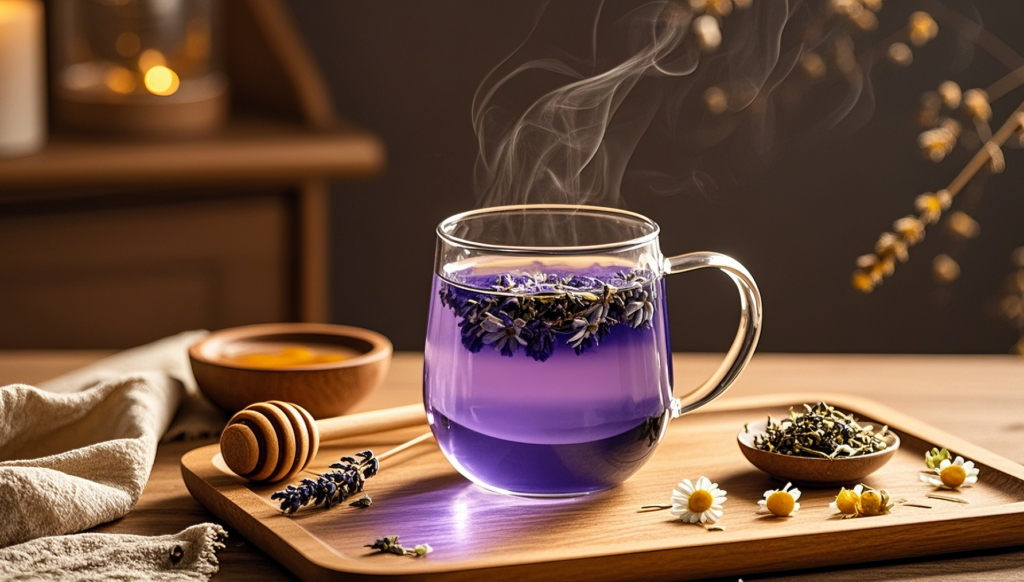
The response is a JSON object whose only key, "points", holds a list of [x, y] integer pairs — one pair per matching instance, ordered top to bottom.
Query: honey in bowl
{"points": [[290, 356]]}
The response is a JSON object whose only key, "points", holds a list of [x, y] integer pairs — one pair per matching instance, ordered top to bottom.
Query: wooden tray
{"points": [[475, 533]]}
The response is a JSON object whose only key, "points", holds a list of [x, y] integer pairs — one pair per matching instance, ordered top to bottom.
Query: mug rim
{"points": [[450, 222]]}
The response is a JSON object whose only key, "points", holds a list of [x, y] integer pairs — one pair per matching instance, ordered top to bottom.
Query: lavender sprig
{"points": [[543, 306], [332, 487]]}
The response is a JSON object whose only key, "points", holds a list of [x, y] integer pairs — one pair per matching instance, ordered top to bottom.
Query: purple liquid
{"points": [[572, 424]]}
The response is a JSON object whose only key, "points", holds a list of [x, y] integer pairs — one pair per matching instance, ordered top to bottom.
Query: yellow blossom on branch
{"points": [[922, 28], [950, 94], [977, 106], [936, 143], [930, 206], [910, 229], [890, 244]]}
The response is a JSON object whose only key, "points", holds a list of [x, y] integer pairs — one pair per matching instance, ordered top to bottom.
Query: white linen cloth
{"points": [[196, 418], [79, 453], [189, 555]]}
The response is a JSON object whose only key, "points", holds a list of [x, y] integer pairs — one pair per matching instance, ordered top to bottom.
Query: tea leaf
{"points": [[820, 431]]}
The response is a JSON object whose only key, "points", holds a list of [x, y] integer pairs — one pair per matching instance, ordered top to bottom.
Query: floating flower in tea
{"points": [[531, 310], [503, 332]]}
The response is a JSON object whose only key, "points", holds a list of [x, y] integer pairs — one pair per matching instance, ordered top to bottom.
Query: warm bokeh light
{"points": [[10, 10], [151, 58], [120, 80], [160, 80]]}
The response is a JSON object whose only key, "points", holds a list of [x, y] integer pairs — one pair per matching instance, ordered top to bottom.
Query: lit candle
{"points": [[22, 77]]}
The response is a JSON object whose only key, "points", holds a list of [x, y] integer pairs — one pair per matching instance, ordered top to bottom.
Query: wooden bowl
{"points": [[325, 390], [846, 471]]}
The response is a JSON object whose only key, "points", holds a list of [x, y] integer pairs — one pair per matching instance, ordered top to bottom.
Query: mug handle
{"points": [[746, 336]]}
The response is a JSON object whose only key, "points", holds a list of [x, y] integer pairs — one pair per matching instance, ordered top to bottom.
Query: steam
{"points": [[573, 144]]}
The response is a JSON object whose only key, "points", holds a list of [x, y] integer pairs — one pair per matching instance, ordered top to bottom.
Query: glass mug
{"points": [[548, 366]]}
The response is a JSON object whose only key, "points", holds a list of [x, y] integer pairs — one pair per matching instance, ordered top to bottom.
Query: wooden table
{"points": [[979, 398]]}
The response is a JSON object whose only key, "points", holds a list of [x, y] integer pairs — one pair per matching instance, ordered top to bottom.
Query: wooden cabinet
{"points": [[114, 277]]}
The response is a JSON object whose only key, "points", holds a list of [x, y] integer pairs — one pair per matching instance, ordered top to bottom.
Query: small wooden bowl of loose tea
{"points": [[817, 445]]}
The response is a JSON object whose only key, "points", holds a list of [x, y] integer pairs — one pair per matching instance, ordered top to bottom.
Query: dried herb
{"points": [[531, 311], [820, 431], [333, 487], [947, 498], [363, 501], [656, 507], [390, 545]]}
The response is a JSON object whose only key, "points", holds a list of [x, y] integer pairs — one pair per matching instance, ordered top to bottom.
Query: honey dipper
{"points": [[272, 441]]}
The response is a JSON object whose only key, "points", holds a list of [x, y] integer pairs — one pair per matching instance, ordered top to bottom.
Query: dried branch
{"points": [[893, 247]]}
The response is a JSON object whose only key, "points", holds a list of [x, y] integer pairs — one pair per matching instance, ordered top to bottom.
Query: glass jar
{"points": [[142, 67]]}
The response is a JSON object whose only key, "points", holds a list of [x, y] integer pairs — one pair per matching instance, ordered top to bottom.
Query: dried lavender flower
{"points": [[529, 311], [332, 487], [387, 544], [391, 545]]}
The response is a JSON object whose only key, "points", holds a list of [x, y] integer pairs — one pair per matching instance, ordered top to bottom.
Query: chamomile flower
{"points": [[934, 458], [953, 475], [847, 500], [698, 502], [780, 502], [874, 502]]}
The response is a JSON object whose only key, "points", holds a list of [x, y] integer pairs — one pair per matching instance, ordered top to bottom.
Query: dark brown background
{"points": [[408, 70]]}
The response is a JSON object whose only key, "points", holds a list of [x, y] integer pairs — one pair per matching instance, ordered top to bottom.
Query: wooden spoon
{"points": [[272, 441]]}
